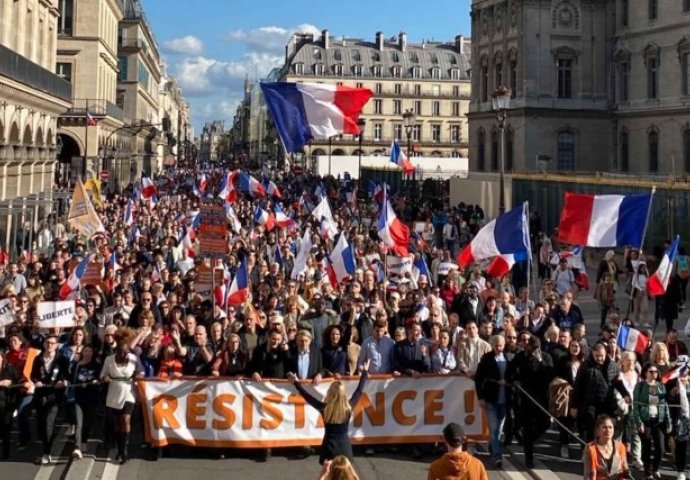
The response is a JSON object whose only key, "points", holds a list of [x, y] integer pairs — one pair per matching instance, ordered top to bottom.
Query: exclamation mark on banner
{"points": [[469, 407]]}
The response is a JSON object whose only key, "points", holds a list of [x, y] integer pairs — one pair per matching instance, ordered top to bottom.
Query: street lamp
{"points": [[501, 104], [360, 123], [410, 123]]}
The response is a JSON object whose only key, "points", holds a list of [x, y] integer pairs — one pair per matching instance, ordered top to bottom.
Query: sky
{"points": [[211, 45]]}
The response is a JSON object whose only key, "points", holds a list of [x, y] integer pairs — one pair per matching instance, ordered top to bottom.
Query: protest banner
{"points": [[213, 231], [399, 265], [445, 267], [93, 274], [207, 278], [6, 312], [56, 314], [219, 412]]}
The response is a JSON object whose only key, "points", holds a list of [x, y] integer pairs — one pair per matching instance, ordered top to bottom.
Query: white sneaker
{"points": [[565, 452], [76, 454], [46, 460], [681, 476]]}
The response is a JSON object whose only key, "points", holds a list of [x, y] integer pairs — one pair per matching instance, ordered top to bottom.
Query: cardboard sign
{"points": [[213, 231], [399, 265], [445, 267], [93, 274], [6, 312], [56, 314]]}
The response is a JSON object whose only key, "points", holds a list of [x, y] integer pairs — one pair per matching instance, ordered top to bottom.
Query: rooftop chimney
{"points": [[325, 40], [379, 41], [402, 41], [460, 43]]}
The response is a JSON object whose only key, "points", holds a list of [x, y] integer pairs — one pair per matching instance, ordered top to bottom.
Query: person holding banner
{"points": [[336, 411]]}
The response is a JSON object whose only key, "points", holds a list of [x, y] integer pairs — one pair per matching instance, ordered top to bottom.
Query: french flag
{"points": [[303, 111], [400, 158], [203, 183], [251, 185], [271, 188], [148, 189], [228, 191], [380, 191], [129, 215], [231, 217], [262, 217], [282, 220], [604, 220], [394, 233], [507, 234], [186, 241], [112, 262], [341, 262], [502, 264], [419, 267], [658, 281], [71, 286], [239, 288], [221, 294], [632, 340], [674, 372]]}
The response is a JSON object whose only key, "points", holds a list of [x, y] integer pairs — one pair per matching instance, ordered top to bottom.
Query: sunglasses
{"points": [[652, 371]]}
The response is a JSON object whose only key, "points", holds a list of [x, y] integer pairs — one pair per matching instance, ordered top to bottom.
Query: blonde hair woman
{"points": [[660, 356], [336, 411], [339, 468]]}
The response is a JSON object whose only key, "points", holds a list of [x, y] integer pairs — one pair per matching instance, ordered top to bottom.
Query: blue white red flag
{"points": [[399, 157], [251, 185], [271, 188], [148, 189], [227, 190], [129, 214], [264, 218], [282, 220], [394, 233], [341, 262], [657, 283], [70, 288], [239, 288], [632, 340]]}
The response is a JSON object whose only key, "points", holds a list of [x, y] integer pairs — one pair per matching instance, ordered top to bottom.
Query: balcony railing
{"points": [[23, 70], [98, 108]]}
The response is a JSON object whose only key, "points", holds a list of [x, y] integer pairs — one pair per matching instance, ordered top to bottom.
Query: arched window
{"points": [[653, 143], [481, 150], [494, 150], [566, 151], [624, 152]]}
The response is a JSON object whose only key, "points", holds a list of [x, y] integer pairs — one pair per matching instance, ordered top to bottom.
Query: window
{"points": [[686, 5], [65, 7], [625, 11], [653, 12], [317, 53], [337, 55], [356, 56], [376, 57], [395, 57], [414, 58], [434, 58], [122, 63], [299, 68], [319, 68], [338, 70], [357, 70], [376, 70], [64, 71], [397, 72], [416, 72], [436, 73], [686, 73], [454, 74], [498, 74], [143, 75], [565, 77], [513, 78], [652, 78], [624, 84], [359, 85], [379, 88], [484, 88], [398, 89], [417, 90], [456, 91], [378, 106], [397, 107], [418, 107], [436, 109], [456, 109], [378, 131], [397, 131], [417, 133], [436, 133], [455, 135], [653, 141], [686, 148], [509, 149], [481, 150], [494, 150], [566, 151], [624, 152]]}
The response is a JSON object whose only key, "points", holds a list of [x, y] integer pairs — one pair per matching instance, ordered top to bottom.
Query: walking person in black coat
{"points": [[9, 397], [336, 411]]}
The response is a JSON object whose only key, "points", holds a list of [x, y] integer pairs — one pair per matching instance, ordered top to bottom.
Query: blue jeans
{"points": [[496, 413], [23, 414]]}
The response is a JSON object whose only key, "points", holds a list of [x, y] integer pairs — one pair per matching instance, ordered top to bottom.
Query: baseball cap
{"points": [[454, 433]]}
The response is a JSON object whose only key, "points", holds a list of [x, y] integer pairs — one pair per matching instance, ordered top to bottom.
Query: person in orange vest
{"points": [[605, 458]]}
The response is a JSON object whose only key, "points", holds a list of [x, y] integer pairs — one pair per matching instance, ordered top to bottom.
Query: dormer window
{"points": [[317, 54], [337, 55], [356, 56], [376, 57], [395, 57], [414, 58], [434, 58], [452, 59], [299, 68], [319, 69], [338, 70], [357, 70], [376, 70], [397, 71], [416, 72], [436, 73], [455, 74]]}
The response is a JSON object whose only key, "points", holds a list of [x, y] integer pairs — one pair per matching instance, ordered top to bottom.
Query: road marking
{"points": [[110, 469], [511, 471], [45, 472]]}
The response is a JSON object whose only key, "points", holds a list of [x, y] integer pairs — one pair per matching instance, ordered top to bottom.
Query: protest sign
{"points": [[399, 265], [445, 267], [6, 312], [56, 314], [247, 414]]}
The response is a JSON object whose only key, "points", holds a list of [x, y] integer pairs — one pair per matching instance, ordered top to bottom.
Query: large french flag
{"points": [[303, 111], [400, 158], [203, 183], [251, 185], [271, 188], [148, 189], [227, 189], [231, 217], [262, 217], [281, 218], [604, 220], [394, 233], [506, 235], [342, 261], [502, 264], [419, 267], [658, 281], [71, 286], [239, 288], [632, 340]]}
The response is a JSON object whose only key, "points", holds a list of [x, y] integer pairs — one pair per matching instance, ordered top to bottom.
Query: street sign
{"points": [[105, 175]]}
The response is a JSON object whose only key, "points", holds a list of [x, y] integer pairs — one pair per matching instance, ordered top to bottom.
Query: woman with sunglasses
{"points": [[651, 418]]}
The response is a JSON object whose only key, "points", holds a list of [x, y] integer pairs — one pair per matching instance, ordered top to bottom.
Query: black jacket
{"points": [[462, 306], [408, 358], [315, 363], [273, 364], [487, 376], [534, 377], [594, 388], [9, 396]]}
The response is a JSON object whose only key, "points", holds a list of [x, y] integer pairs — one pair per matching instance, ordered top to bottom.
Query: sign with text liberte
{"points": [[218, 412]]}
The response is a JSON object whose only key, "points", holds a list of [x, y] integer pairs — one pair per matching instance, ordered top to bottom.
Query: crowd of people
{"points": [[150, 317]]}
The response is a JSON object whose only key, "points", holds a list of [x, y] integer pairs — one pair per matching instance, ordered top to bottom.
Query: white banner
{"points": [[399, 265], [445, 267], [6, 312], [56, 314], [217, 412]]}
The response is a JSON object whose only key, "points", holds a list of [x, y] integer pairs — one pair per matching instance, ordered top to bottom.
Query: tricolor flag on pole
{"points": [[303, 111], [91, 121], [400, 158], [251, 185], [271, 188], [148, 189], [228, 191], [231, 217], [262, 217], [282, 220], [604, 220], [394, 233], [341, 261], [419, 267], [658, 281], [72, 285], [239, 288], [632, 340], [674, 372]]}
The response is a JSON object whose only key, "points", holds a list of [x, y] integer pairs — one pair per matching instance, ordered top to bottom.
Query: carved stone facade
{"points": [[598, 85]]}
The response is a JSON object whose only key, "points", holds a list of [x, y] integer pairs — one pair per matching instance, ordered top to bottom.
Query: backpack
{"points": [[683, 267]]}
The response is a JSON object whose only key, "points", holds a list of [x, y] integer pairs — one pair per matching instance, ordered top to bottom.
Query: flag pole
{"points": [[86, 139], [525, 213], [644, 234]]}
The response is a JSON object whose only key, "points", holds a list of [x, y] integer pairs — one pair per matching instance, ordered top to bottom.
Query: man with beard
{"points": [[468, 305], [317, 320], [531, 371]]}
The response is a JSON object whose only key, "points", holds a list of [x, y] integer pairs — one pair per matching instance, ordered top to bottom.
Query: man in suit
{"points": [[468, 305], [305, 358]]}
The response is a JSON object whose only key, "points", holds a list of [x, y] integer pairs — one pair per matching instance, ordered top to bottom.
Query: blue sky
{"points": [[210, 45]]}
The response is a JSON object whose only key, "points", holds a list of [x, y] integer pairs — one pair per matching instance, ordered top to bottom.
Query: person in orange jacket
{"points": [[456, 464]]}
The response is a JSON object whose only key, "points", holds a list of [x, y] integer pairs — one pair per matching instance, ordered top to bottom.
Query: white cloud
{"points": [[268, 39], [189, 44]]}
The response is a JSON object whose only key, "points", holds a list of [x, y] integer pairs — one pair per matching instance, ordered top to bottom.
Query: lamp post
{"points": [[501, 104], [410, 122], [360, 123], [330, 148]]}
